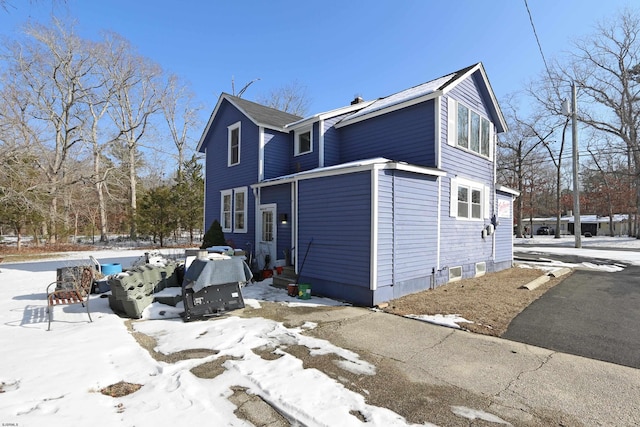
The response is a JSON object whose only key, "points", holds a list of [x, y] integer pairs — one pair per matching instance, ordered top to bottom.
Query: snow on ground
{"points": [[621, 251], [53, 378]]}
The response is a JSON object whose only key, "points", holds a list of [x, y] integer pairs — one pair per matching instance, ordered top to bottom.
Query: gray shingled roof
{"points": [[264, 115]]}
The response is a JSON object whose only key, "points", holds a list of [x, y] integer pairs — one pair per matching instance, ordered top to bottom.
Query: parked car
{"points": [[545, 231]]}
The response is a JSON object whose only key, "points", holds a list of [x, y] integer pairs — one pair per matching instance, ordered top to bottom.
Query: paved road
{"points": [[591, 313]]}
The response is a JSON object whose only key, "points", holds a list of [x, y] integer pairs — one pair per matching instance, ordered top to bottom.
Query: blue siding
{"points": [[405, 135], [332, 142], [277, 151], [306, 161], [219, 176], [280, 195], [335, 212], [407, 239], [461, 240]]}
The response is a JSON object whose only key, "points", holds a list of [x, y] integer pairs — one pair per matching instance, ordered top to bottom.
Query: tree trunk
{"points": [[133, 232]]}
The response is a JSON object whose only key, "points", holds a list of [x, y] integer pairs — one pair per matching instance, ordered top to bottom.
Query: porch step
{"points": [[282, 280]]}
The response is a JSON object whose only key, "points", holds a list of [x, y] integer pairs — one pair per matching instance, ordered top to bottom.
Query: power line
{"points": [[535, 33]]}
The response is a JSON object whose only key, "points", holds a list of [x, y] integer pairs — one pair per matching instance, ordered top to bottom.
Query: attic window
{"points": [[304, 142], [233, 144]]}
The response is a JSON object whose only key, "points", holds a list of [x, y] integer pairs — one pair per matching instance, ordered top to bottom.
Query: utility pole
{"points": [[577, 227]]}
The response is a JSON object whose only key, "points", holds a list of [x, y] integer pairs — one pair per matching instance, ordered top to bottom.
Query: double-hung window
{"points": [[468, 129], [303, 141], [233, 150], [469, 200], [225, 208], [233, 210], [240, 210]]}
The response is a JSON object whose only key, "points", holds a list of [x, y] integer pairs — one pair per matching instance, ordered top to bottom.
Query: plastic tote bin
{"points": [[108, 269], [304, 291]]}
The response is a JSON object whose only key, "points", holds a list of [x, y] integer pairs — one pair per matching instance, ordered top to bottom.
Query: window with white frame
{"points": [[468, 129], [233, 132], [304, 141], [469, 199], [225, 210], [233, 210], [240, 210]]}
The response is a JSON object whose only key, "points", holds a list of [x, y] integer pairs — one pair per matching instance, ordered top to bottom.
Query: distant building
{"points": [[594, 224]]}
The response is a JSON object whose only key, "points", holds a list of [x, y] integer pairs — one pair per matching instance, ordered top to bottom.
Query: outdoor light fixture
{"points": [[283, 218]]}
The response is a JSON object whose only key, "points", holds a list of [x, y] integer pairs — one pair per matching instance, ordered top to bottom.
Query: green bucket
{"points": [[304, 291]]}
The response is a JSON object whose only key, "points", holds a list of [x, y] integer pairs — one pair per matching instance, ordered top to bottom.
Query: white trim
{"points": [[483, 73], [395, 107], [328, 114], [452, 122], [230, 129], [437, 130], [296, 141], [321, 143], [261, 153], [351, 167], [471, 185], [507, 190], [236, 191], [204, 199], [487, 202], [294, 214], [294, 218], [223, 223], [438, 223], [374, 230], [274, 241], [482, 268], [456, 277]]}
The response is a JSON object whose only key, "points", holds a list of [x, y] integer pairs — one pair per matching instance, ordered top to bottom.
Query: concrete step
{"points": [[282, 280]]}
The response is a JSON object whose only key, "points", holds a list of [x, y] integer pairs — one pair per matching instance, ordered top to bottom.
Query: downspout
{"points": [[260, 154], [438, 157], [495, 195], [256, 220], [294, 229], [374, 229]]}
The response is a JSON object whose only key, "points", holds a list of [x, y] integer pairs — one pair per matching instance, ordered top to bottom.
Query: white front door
{"points": [[266, 252]]}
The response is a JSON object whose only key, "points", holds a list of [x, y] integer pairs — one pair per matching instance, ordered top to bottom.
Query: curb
{"points": [[544, 279]]}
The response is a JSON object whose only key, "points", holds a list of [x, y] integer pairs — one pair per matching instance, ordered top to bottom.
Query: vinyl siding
{"points": [[403, 135], [332, 141], [277, 152], [305, 161], [219, 176], [335, 212], [407, 240], [461, 240]]}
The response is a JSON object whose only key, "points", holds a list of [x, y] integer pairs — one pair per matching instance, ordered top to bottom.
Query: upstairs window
{"points": [[468, 129], [304, 142], [233, 144]]}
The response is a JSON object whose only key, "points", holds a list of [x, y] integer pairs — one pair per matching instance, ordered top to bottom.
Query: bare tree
{"points": [[49, 65], [605, 66], [137, 98], [292, 98], [181, 114], [515, 152]]}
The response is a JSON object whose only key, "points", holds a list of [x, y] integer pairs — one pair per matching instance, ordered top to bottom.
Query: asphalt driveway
{"points": [[591, 313]]}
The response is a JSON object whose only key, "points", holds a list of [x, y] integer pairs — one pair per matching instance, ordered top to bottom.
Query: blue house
{"points": [[378, 199]]}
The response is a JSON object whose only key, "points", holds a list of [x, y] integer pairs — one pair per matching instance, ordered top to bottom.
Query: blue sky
{"points": [[337, 49]]}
